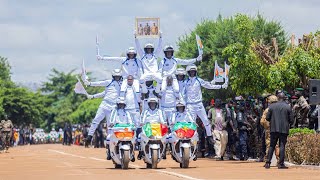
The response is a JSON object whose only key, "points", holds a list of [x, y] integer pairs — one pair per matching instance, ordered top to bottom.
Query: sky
{"points": [[38, 35]]}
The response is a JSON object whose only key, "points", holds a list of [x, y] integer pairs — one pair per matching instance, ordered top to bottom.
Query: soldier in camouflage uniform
{"points": [[301, 110], [266, 125], [6, 131], [254, 142]]}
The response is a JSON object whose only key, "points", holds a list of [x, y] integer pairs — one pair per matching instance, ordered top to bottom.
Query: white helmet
{"points": [[149, 45], [168, 48], [131, 50], [191, 67], [180, 71], [116, 72], [121, 100], [153, 100], [180, 103], [52, 129]]}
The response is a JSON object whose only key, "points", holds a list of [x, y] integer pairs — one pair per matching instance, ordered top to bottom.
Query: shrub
{"points": [[300, 131], [304, 148]]}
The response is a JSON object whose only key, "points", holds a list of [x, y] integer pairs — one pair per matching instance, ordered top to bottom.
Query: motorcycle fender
{"points": [[185, 145], [154, 146], [125, 147]]}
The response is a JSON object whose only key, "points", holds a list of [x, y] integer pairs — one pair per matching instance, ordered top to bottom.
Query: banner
{"points": [[199, 44], [226, 72], [219, 74], [84, 76], [79, 89]]}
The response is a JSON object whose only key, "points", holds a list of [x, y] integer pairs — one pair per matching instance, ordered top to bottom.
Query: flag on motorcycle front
{"points": [[155, 129]]}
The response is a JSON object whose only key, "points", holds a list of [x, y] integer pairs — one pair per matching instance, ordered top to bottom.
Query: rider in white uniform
{"points": [[149, 61], [130, 65], [168, 65], [181, 76], [110, 95], [193, 96], [169, 97], [132, 98], [119, 115], [152, 115]]}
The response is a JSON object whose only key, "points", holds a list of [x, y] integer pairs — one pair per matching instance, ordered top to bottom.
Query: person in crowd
{"points": [[280, 117]]}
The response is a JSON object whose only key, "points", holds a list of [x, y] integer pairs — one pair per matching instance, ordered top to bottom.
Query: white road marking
{"points": [[60, 152], [135, 166]]}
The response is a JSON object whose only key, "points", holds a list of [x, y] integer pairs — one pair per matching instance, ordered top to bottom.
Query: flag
{"points": [[199, 44], [226, 72], [218, 73], [84, 76], [79, 89], [155, 129]]}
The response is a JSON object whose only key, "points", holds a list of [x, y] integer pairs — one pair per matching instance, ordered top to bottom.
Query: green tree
{"points": [[226, 38], [23, 106], [86, 111]]}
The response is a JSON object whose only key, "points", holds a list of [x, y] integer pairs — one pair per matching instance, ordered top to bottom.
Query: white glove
{"points": [[99, 57], [199, 58], [86, 82], [213, 82], [224, 86], [89, 96]]}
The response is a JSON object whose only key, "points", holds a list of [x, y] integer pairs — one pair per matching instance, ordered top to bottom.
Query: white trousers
{"points": [[148, 77], [197, 109], [103, 112], [135, 113]]}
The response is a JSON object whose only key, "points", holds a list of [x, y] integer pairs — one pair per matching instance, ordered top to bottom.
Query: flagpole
{"points": [[97, 46]]}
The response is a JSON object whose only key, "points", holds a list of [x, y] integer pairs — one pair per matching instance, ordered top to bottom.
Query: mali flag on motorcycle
{"points": [[155, 129]]}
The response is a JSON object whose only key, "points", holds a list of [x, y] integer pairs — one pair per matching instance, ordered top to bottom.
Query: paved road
{"points": [[77, 163]]}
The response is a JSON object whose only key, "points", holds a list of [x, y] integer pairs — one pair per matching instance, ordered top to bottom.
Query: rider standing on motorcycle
{"points": [[149, 63], [130, 65], [168, 65], [181, 76], [110, 95], [193, 96], [169, 97], [152, 115], [118, 116]]}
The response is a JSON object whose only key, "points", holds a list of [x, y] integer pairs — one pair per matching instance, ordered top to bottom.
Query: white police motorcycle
{"points": [[183, 142], [122, 143], [153, 143]]}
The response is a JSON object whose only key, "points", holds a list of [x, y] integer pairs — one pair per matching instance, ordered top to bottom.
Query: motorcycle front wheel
{"points": [[154, 158], [185, 158], [125, 159]]}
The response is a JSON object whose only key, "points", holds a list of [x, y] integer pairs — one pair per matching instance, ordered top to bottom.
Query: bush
{"points": [[300, 131], [304, 148]]}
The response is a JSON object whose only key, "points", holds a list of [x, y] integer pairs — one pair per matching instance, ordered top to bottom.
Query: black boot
{"points": [[88, 141], [108, 153], [140, 155], [267, 166]]}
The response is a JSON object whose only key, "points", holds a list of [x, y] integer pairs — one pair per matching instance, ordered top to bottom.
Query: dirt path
{"points": [[77, 163]]}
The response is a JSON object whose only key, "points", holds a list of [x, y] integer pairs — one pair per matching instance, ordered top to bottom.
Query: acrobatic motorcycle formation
{"points": [[151, 106]]}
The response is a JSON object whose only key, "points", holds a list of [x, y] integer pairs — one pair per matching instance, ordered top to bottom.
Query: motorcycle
{"points": [[122, 142], [153, 143], [183, 143]]}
